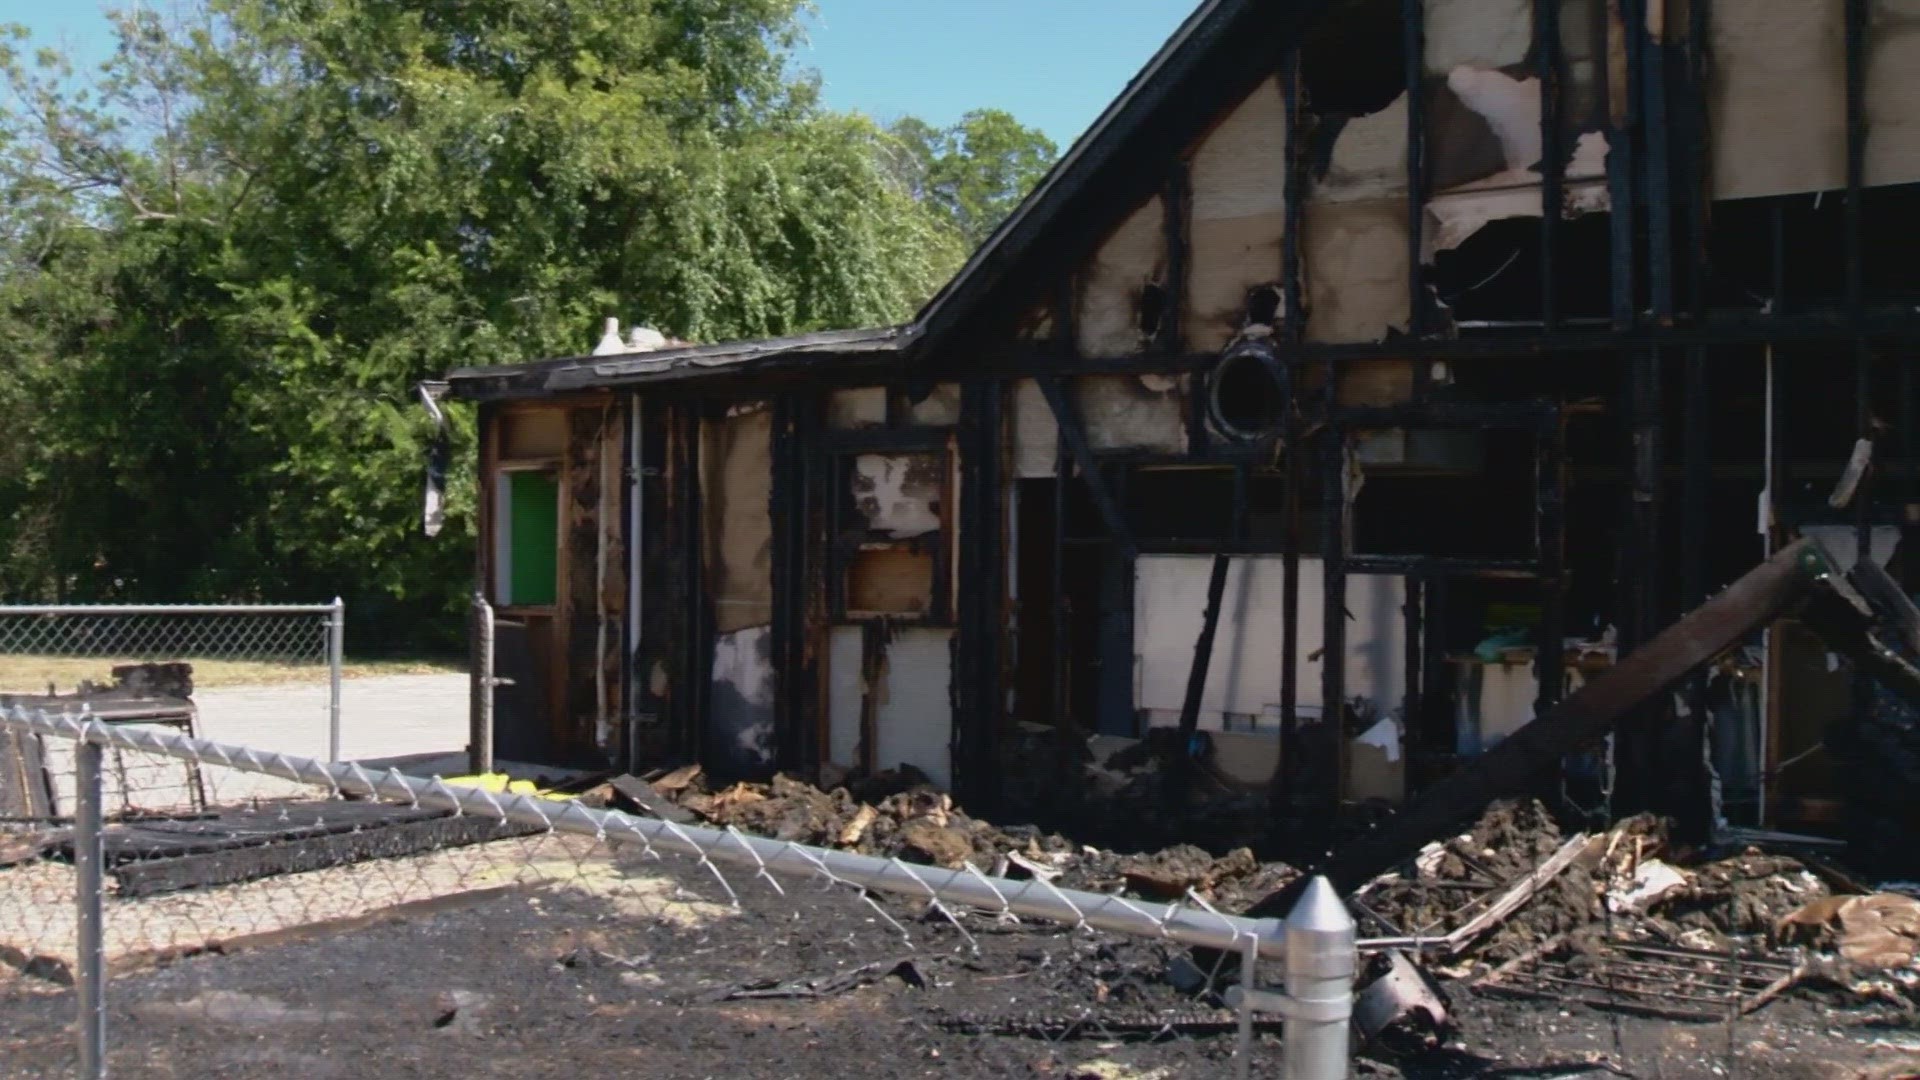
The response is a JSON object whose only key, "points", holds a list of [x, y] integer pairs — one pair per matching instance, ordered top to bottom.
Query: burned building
{"points": [[1368, 377]]}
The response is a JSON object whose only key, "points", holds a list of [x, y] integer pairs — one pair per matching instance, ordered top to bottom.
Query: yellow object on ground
{"points": [[502, 784]]}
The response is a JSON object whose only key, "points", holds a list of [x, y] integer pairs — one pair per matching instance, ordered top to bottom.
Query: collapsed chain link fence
{"points": [[237, 652], [195, 847]]}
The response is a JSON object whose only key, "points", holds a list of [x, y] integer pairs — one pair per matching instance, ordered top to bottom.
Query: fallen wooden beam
{"points": [[1516, 765], [649, 801], [1513, 899]]}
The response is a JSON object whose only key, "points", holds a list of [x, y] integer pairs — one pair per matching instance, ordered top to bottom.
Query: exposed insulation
{"points": [[1480, 33], [1778, 97], [1508, 107], [1369, 158], [1238, 181], [1132, 257], [1356, 270], [1376, 382], [857, 407], [941, 407], [1125, 412], [1036, 436], [736, 484], [899, 494], [890, 581], [1244, 675], [846, 694], [914, 719], [740, 722]]}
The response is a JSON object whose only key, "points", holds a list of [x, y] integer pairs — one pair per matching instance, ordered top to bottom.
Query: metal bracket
{"points": [[1325, 1010]]}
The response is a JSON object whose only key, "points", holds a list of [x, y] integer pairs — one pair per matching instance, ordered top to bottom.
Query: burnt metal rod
{"points": [[1033, 898]]}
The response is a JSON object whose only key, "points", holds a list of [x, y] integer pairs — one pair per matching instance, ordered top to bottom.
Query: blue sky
{"points": [[1053, 63]]}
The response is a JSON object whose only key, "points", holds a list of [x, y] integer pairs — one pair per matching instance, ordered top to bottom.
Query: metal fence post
{"points": [[336, 659], [481, 752], [1321, 963], [89, 981]]}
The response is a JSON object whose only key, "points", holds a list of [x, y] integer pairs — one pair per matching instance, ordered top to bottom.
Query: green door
{"points": [[533, 538]]}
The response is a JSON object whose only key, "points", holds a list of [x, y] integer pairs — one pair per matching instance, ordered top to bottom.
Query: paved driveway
{"points": [[380, 717]]}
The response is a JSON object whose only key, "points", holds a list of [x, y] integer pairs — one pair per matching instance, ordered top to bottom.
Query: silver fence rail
{"points": [[42, 641], [1315, 946]]}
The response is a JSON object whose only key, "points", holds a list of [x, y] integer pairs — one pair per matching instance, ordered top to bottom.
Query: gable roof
{"points": [[1214, 59]]}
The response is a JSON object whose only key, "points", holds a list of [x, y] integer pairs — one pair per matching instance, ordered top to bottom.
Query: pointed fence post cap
{"points": [[1320, 910]]}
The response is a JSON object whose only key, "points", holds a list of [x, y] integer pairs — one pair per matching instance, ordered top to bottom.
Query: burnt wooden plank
{"points": [[25, 789], [641, 794], [223, 831], [157, 876]]}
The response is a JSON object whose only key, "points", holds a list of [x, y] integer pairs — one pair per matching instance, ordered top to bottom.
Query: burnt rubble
{"points": [[900, 814], [1516, 908]]}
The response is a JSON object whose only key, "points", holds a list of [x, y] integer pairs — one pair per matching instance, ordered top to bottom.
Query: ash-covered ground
{"points": [[558, 981]]}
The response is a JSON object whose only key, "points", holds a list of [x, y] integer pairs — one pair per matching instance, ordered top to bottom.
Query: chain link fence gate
{"points": [[256, 667], [336, 849]]}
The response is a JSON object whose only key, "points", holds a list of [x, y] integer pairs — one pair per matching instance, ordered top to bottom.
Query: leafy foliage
{"points": [[976, 171], [226, 258]]}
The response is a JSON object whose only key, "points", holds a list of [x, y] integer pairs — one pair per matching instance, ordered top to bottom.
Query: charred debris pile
{"points": [[1516, 907]]}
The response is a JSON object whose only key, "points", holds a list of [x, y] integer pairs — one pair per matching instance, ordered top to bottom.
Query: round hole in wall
{"points": [[1250, 392]]}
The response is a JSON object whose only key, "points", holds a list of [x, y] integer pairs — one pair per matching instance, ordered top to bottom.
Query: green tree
{"points": [[976, 171], [226, 259]]}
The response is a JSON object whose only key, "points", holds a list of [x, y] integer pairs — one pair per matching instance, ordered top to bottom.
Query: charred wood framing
{"points": [[1624, 21], [1413, 26], [1855, 36], [1218, 56], [1550, 63], [1657, 190], [1178, 195], [1295, 203], [1293, 332], [1067, 415], [632, 477], [1550, 510], [1290, 607], [1210, 621], [1062, 623], [694, 639], [1412, 653], [976, 680], [795, 725], [1523, 759], [1331, 762]]}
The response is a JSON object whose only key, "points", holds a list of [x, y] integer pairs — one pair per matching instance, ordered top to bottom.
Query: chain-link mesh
{"points": [[268, 635], [265, 675], [399, 909]]}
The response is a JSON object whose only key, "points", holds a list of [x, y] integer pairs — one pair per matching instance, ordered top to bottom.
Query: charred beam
{"points": [[1413, 27], [1551, 63], [1067, 415], [1550, 509], [1210, 622], [976, 684], [1524, 758]]}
